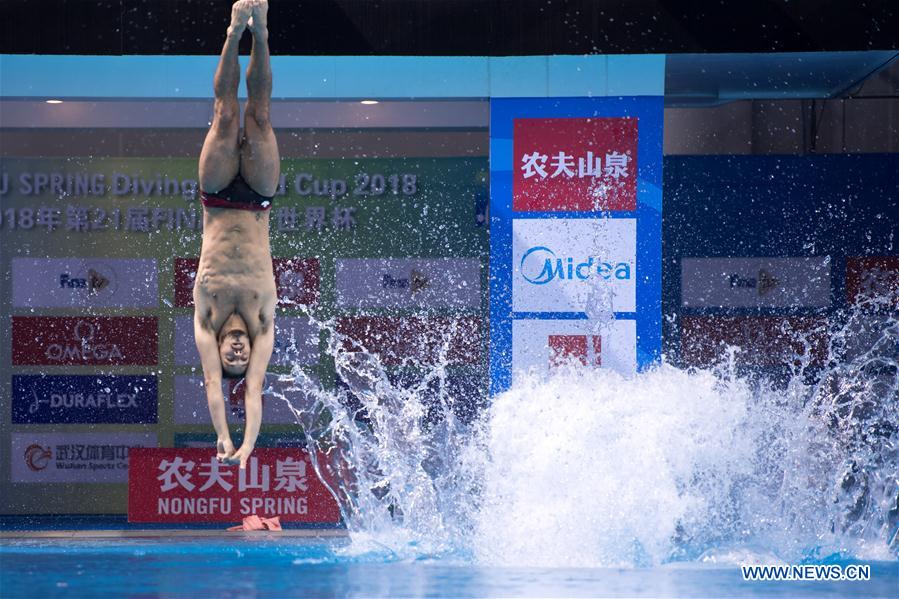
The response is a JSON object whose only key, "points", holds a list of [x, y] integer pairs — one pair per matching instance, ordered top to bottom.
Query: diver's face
{"points": [[234, 346]]}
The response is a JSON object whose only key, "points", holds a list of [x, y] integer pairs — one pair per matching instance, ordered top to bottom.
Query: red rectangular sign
{"points": [[574, 164], [185, 273], [297, 280], [873, 280], [423, 339], [107, 340], [763, 341], [578, 349], [190, 485]]}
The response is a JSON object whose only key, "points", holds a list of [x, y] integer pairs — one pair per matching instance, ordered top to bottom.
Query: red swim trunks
{"points": [[237, 196]]}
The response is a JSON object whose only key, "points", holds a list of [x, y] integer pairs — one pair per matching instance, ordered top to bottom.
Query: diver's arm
{"points": [[212, 378], [254, 379]]}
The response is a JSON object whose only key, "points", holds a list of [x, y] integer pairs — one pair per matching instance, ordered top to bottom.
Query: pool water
{"points": [[254, 565]]}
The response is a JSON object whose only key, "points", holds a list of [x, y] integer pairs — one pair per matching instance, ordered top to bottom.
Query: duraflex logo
{"points": [[540, 265]]}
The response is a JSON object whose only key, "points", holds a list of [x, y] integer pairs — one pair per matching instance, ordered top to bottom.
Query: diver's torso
{"points": [[235, 272]]}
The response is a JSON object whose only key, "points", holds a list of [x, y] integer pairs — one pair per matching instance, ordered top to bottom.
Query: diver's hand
{"points": [[224, 449], [240, 456]]}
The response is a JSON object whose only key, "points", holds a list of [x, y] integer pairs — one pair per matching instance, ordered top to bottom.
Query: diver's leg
{"points": [[220, 157], [260, 163]]}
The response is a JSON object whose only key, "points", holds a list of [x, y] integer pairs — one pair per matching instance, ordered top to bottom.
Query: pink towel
{"points": [[254, 522]]}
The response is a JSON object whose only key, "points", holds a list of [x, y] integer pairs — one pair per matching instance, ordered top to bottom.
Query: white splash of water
{"points": [[590, 468], [594, 468]]}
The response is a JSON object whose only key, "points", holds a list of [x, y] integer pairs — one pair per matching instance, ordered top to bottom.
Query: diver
{"points": [[234, 290]]}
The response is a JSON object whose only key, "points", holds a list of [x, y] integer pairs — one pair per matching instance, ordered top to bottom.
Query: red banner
{"points": [[574, 164], [297, 280], [873, 280], [423, 339], [763, 340], [60, 341], [581, 349], [190, 485]]}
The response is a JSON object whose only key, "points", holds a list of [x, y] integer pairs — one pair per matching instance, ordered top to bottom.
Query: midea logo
{"points": [[540, 265]]}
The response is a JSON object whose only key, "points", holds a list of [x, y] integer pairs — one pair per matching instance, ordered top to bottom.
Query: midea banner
{"points": [[575, 244]]}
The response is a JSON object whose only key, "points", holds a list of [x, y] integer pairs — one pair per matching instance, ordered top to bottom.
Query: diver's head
{"points": [[234, 347]]}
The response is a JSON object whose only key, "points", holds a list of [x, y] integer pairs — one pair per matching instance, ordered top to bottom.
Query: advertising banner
{"points": [[574, 164], [576, 212], [562, 265], [873, 280], [84, 282], [755, 282], [418, 283], [422, 340], [762, 340], [63, 341], [538, 345], [83, 399], [74, 457], [190, 485]]}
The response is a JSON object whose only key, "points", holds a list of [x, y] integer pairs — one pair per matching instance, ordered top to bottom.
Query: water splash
{"points": [[591, 468]]}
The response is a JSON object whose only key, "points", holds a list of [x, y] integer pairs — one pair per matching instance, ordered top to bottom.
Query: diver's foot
{"points": [[241, 12], [258, 24]]}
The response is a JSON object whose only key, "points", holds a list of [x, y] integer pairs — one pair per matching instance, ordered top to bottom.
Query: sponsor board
{"points": [[574, 164], [575, 224], [564, 265], [185, 274], [297, 281], [873, 281], [84, 282], [755, 282], [408, 283], [869, 334], [428, 340], [63, 341], [296, 341], [762, 341], [185, 345], [539, 346], [465, 395], [277, 398], [85, 399], [190, 400], [73, 457], [190, 485]]}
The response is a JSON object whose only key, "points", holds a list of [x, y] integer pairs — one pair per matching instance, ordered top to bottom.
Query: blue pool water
{"points": [[256, 566]]}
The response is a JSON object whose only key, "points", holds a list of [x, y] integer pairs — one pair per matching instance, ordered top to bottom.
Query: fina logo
{"points": [[540, 266], [417, 281], [95, 282], [764, 283]]}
